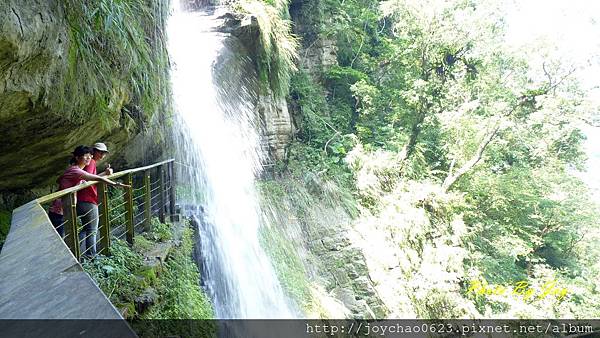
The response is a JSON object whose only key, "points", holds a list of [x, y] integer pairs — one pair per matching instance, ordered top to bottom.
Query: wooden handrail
{"points": [[61, 193]]}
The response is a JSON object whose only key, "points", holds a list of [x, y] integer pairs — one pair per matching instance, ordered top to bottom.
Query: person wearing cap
{"points": [[73, 176], [87, 200]]}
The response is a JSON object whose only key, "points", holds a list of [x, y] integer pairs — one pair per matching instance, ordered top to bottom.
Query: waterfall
{"points": [[219, 157]]}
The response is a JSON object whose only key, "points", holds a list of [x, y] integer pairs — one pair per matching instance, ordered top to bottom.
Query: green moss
{"points": [[276, 47], [8, 53], [117, 59], [272, 189], [5, 218], [288, 266], [147, 275], [123, 277], [178, 285], [180, 298], [126, 309]]}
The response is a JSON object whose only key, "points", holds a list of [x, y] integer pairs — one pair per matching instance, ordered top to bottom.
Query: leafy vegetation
{"points": [[276, 46], [117, 59], [452, 144], [5, 219], [160, 232], [117, 274], [124, 277], [182, 297]]}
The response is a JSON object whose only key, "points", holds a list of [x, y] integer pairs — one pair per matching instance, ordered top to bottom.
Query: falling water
{"points": [[218, 147]]}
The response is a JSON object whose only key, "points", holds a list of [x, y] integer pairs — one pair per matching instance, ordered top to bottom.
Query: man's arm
{"points": [[108, 171], [91, 177]]}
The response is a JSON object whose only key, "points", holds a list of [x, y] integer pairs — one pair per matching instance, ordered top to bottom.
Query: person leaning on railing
{"points": [[75, 175], [87, 199]]}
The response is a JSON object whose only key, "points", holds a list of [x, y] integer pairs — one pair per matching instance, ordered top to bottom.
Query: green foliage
{"points": [[356, 27], [276, 46], [117, 59], [339, 79], [312, 115], [430, 120], [323, 128], [327, 177], [528, 216], [5, 219], [161, 232], [142, 243], [288, 266], [116, 274], [123, 277], [181, 296]]}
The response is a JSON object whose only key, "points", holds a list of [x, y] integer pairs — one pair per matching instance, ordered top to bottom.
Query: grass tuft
{"points": [[277, 46], [117, 58]]}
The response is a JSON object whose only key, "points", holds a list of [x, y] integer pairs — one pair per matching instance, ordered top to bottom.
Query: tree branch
{"points": [[547, 74], [552, 86], [591, 123], [331, 139], [409, 147], [452, 164], [470, 164]]}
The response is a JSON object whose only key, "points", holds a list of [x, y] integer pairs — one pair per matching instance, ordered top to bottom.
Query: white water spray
{"points": [[218, 146]]}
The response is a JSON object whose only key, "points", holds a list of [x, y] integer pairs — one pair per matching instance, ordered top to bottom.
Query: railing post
{"points": [[161, 182], [172, 190], [148, 200], [129, 208], [70, 214], [104, 228]]}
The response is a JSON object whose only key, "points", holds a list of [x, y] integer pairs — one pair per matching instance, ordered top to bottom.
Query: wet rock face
{"points": [[32, 49], [317, 52], [272, 112], [277, 125], [37, 137], [36, 140], [344, 269]]}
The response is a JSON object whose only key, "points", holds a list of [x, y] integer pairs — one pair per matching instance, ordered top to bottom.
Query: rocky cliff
{"points": [[244, 31], [68, 76], [51, 102], [315, 218]]}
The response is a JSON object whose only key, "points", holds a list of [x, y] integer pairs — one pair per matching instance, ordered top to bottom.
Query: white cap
{"points": [[101, 147]]}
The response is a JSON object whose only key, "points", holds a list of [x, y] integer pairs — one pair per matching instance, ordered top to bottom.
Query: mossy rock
{"points": [[48, 103], [5, 219], [148, 275], [148, 298], [127, 310]]}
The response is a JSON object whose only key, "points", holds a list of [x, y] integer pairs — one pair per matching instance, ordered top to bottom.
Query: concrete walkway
{"points": [[39, 276]]}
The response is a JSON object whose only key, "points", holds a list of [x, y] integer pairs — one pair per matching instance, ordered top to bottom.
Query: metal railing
{"points": [[122, 212]]}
